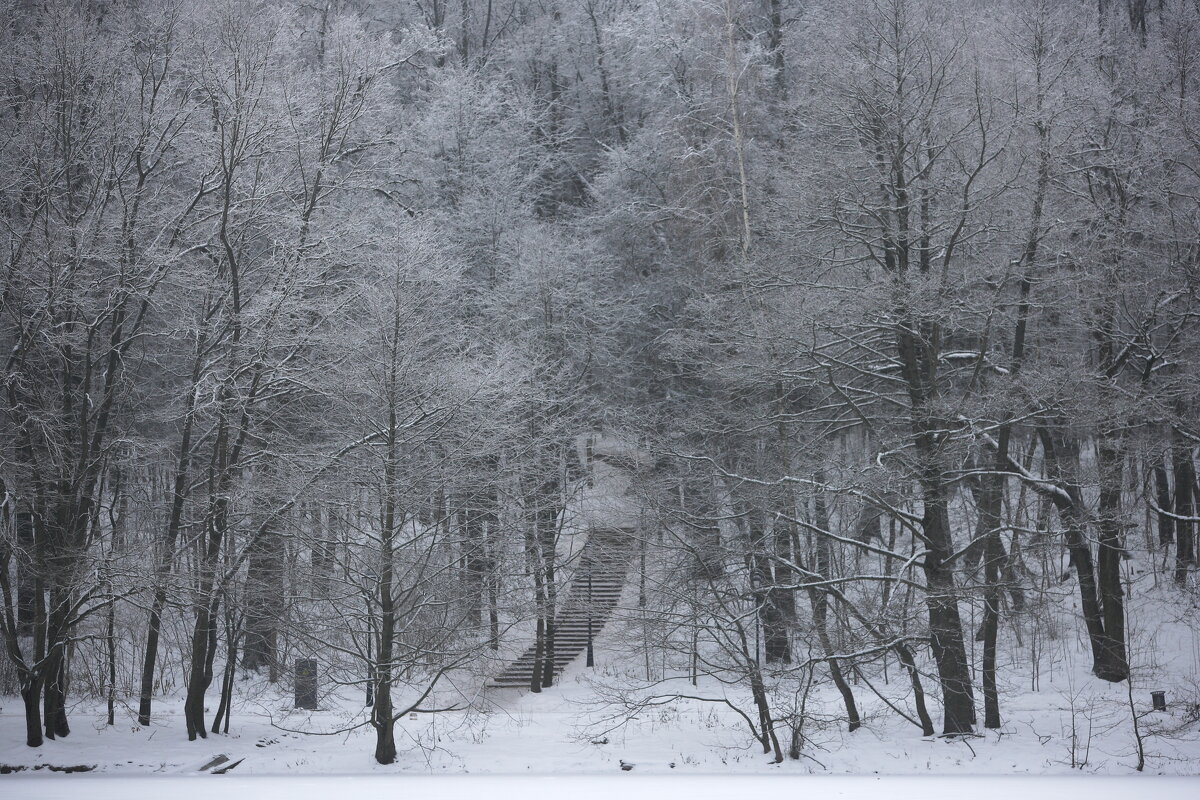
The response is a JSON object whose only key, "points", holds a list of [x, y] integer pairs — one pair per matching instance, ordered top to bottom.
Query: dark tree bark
{"points": [[775, 46], [606, 95], [1111, 462], [1162, 492], [1067, 499], [542, 502], [1185, 507], [698, 513], [478, 515], [118, 516], [990, 523], [548, 531], [492, 543], [166, 553], [534, 559], [26, 575], [208, 595], [767, 597], [782, 597], [819, 598], [941, 598], [264, 604], [945, 624], [233, 635], [539, 652], [904, 654], [200, 673], [29, 679], [31, 694], [54, 708], [382, 713], [769, 739]]}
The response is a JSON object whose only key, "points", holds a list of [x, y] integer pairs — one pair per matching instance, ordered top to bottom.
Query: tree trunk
{"points": [[775, 47], [916, 348], [1111, 462], [1162, 487], [179, 492], [991, 497], [1185, 506], [1070, 508], [549, 553], [474, 574], [493, 582], [27, 592], [819, 599], [264, 601], [771, 617], [945, 625], [204, 629], [232, 635], [110, 641], [906, 660], [199, 670], [54, 682], [31, 695], [146, 696], [382, 713], [384, 722], [770, 741]]}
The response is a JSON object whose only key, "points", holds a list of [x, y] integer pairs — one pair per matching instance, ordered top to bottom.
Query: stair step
{"points": [[593, 594], [564, 654], [562, 658]]}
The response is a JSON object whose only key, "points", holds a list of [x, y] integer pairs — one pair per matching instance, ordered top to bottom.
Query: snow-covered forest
{"points": [[561, 385]]}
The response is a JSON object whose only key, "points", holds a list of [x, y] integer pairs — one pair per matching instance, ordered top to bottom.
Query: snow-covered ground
{"points": [[1058, 721], [1072, 724], [591, 787]]}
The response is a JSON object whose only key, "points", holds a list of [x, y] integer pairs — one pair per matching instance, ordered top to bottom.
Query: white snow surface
{"points": [[608, 503], [1058, 720], [1073, 724], [625, 787]]}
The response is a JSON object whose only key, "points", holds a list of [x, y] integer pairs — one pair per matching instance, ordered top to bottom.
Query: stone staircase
{"points": [[593, 593]]}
